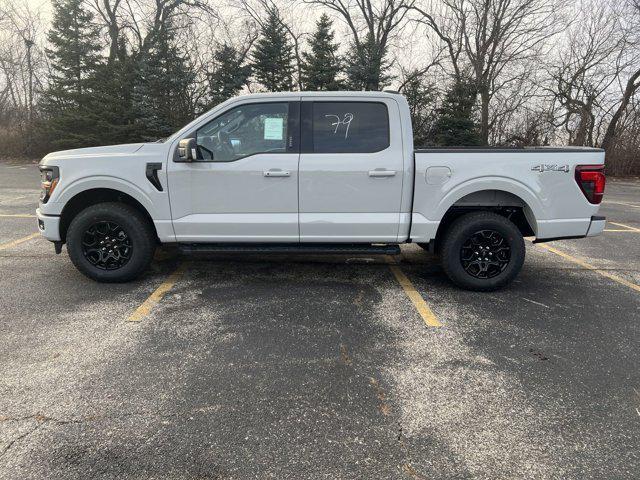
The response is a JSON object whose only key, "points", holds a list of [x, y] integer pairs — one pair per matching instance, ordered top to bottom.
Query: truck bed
{"points": [[540, 180]]}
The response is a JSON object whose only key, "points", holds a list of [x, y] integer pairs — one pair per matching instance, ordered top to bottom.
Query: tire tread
{"points": [[144, 247], [450, 253]]}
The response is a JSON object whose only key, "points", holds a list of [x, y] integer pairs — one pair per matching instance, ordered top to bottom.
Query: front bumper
{"points": [[49, 226], [596, 227]]}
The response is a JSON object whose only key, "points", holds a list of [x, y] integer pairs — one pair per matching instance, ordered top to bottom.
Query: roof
{"points": [[342, 93]]}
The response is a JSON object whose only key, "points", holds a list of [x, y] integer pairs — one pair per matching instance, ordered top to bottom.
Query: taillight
{"points": [[591, 180]]}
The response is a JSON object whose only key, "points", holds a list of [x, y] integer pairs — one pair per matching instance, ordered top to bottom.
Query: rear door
{"points": [[350, 172]]}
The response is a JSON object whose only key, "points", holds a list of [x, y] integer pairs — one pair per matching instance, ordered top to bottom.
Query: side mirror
{"points": [[187, 150]]}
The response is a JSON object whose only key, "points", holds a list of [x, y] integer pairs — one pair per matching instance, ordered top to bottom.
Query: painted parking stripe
{"points": [[15, 198], [612, 202], [16, 215], [628, 227], [14, 243], [588, 266], [152, 300], [418, 302]]}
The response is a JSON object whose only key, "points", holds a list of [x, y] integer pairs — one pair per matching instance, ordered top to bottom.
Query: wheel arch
{"points": [[481, 185], [93, 196], [503, 202]]}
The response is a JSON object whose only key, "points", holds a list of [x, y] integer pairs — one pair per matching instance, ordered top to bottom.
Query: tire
{"points": [[477, 236], [134, 248]]}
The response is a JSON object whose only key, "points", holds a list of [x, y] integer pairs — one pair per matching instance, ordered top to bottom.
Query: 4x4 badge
{"points": [[550, 168]]}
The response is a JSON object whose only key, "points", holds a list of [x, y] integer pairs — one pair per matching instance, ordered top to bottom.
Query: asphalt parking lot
{"points": [[287, 367]]}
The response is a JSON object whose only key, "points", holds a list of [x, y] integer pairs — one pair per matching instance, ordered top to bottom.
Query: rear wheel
{"points": [[111, 242], [482, 251]]}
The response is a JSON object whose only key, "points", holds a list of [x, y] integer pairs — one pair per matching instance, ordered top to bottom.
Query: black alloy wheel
{"points": [[111, 242], [106, 245], [482, 251], [485, 254]]}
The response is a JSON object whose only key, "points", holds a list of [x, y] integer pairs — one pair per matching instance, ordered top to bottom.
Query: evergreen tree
{"points": [[273, 56], [367, 65], [321, 66], [229, 75], [114, 94], [161, 97], [421, 98], [69, 105], [455, 125]]}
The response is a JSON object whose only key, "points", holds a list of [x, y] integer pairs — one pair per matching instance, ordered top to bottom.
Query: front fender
{"points": [[68, 191]]}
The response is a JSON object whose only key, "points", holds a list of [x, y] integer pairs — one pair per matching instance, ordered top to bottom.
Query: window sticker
{"points": [[273, 128]]}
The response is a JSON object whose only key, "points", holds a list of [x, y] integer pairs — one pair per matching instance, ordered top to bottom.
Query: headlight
{"points": [[49, 177]]}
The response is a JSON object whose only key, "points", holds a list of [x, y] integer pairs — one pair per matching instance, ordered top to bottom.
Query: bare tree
{"points": [[109, 11], [147, 19], [490, 40], [22, 63], [587, 66], [632, 84], [514, 99], [622, 154]]}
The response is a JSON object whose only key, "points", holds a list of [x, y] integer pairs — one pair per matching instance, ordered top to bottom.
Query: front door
{"points": [[351, 171], [244, 186]]}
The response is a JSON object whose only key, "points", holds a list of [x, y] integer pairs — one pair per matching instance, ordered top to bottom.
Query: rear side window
{"points": [[350, 127]]}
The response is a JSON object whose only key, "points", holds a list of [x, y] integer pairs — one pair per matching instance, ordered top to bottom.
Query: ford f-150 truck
{"points": [[315, 172]]}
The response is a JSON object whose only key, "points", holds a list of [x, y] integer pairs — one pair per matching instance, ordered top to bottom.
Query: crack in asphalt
{"points": [[385, 410], [40, 421], [11, 443]]}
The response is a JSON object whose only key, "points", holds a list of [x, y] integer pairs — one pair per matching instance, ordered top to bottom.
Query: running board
{"points": [[314, 248]]}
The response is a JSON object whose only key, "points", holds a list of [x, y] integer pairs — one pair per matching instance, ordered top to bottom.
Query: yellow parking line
{"points": [[14, 198], [621, 203], [17, 215], [629, 228], [618, 230], [14, 243], [593, 268], [421, 306], [145, 308]]}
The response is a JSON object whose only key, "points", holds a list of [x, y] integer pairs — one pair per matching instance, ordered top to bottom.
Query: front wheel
{"points": [[111, 242], [482, 251]]}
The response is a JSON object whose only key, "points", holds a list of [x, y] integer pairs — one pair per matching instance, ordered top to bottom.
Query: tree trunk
{"points": [[114, 35], [484, 115], [610, 134], [580, 138]]}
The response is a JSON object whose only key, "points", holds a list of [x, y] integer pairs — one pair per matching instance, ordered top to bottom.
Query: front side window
{"points": [[350, 127], [243, 131]]}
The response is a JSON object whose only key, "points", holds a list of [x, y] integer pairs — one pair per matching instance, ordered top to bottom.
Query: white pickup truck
{"points": [[315, 172]]}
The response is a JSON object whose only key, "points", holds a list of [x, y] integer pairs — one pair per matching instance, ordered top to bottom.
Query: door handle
{"points": [[276, 172], [381, 172]]}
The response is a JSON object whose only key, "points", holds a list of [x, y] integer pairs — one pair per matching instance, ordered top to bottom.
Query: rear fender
{"points": [[533, 208]]}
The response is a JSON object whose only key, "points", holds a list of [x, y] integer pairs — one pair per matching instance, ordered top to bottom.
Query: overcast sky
{"points": [[44, 6]]}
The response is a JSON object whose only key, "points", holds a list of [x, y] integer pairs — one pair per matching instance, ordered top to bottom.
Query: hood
{"points": [[111, 150]]}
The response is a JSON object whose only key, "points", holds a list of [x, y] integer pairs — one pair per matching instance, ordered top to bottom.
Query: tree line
{"points": [[475, 72]]}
